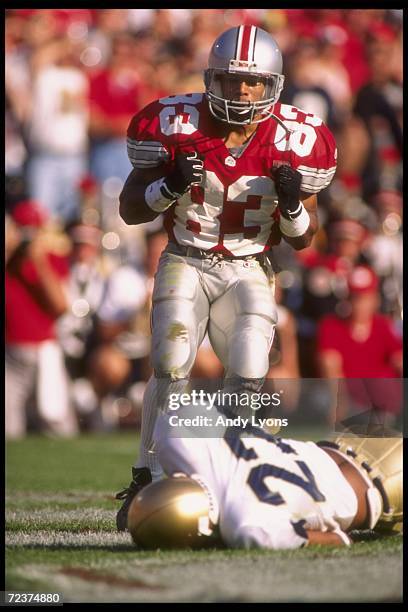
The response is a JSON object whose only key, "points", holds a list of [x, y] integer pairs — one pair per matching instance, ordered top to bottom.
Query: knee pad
{"points": [[179, 319], [174, 348], [248, 355], [237, 384]]}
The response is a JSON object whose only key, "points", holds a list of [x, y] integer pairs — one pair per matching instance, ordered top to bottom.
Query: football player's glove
{"points": [[188, 171], [287, 182], [370, 535]]}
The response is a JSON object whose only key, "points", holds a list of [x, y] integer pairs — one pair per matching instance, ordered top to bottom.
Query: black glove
{"points": [[188, 170], [287, 182], [369, 535]]}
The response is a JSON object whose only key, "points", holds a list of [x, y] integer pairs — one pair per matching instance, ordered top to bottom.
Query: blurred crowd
{"points": [[79, 281]]}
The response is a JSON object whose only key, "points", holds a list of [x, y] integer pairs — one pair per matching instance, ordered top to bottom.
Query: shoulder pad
{"points": [[146, 153]]}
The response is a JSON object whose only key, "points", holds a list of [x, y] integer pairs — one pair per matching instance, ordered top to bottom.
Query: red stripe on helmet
{"points": [[246, 37]]}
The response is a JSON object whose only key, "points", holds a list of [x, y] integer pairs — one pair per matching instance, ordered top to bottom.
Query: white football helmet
{"points": [[244, 50]]}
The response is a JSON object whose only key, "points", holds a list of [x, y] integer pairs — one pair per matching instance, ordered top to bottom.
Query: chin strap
{"points": [[222, 108], [285, 127]]}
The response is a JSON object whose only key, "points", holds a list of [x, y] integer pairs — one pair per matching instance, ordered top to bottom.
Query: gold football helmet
{"points": [[379, 460], [176, 512]]}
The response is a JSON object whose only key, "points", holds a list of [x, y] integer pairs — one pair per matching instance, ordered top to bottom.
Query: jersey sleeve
{"points": [[145, 143], [318, 166], [280, 534]]}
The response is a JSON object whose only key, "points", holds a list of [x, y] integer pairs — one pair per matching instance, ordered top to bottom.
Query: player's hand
{"points": [[188, 171], [287, 182], [370, 535]]}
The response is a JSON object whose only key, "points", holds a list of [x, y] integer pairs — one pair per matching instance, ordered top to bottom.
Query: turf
{"points": [[61, 537]]}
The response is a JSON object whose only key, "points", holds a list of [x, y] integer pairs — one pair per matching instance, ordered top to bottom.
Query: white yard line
{"points": [[48, 537]]}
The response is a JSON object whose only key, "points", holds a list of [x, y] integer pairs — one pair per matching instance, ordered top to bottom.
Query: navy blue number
{"points": [[232, 434], [238, 447], [258, 474], [256, 481]]}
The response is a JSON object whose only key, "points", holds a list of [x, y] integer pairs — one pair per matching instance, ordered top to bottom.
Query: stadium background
{"points": [[75, 77]]}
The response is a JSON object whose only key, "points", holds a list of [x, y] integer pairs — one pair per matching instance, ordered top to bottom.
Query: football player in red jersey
{"points": [[233, 171]]}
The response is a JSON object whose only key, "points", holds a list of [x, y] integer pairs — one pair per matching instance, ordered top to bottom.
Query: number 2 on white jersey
{"points": [[259, 473]]}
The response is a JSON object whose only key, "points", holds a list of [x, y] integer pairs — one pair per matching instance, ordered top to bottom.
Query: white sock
{"points": [[154, 401]]}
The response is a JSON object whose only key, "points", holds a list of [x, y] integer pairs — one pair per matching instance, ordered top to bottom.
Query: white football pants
{"points": [[233, 301]]}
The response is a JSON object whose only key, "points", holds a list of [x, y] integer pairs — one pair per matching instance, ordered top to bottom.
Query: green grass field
{"points": [[61, 537]]}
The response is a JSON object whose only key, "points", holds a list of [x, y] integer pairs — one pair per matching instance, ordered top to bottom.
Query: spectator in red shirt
{"points": [[115, 93], [324, 282], [35, 299], [364, 347]]}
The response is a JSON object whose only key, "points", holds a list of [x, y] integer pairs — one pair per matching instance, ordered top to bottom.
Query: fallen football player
{"points": [[250, 489]]}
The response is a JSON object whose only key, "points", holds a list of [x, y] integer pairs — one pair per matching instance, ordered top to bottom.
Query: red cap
{"points": [[88, 184], [29, 214], [361, 280]]}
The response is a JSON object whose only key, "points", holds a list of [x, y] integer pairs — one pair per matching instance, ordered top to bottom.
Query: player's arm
{"points": [[312, 168], [149, 192], [132, 204], [310, 204], [298, 210], [283, 534], [327, 538]]}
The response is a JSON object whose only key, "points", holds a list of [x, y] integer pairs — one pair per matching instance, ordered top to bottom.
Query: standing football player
{"points": [[233, 171]]}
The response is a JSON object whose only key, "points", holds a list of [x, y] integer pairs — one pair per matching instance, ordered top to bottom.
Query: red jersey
{"points": [[235, 209], [27, 321], [368, 359]]}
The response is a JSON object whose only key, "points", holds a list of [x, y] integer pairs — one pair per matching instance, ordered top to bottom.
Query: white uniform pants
{"points": [[233, 299]]}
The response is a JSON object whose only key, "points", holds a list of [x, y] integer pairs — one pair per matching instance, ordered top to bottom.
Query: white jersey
{"points": [[268, 490]]}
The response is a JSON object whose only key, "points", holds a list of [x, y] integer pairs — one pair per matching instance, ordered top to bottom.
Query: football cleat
{"points": [[379, 461], [141, 477], [176, 512]]}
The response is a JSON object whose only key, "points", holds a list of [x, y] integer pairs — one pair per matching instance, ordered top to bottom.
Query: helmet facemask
{"points": [[220, 96]]}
